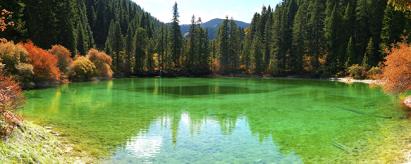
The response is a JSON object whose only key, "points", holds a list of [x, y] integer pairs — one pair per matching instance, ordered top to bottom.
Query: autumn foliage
{"points": [[403, 5], [5, 16], [12, 55], [63, 55], [102, 61], [44, 63], [82, 69], [397, 70], [357, 71], [11, 98]]}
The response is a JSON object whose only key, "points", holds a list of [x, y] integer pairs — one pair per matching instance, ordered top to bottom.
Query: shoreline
{"points": [[349, 80], [37, 144]]}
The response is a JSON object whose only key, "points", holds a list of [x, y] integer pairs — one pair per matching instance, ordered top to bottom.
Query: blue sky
{"points": [[242, 10]]}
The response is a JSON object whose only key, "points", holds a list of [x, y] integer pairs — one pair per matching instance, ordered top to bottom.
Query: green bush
{"points": [[25, 72], [357, 72], [374, 72]]}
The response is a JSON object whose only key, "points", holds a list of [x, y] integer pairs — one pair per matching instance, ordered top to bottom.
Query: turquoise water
{"points": [[223, 120]]}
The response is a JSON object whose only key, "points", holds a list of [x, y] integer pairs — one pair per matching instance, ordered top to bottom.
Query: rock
{"points": [[407, 102], [68, 149]]}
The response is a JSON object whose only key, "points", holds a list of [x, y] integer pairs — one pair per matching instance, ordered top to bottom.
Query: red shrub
{"points": [[63, 55], [44, 63], [397, 70], [11, 98]]}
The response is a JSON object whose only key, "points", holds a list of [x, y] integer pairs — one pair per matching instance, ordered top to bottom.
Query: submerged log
{"points": [[407, 102], [366, 114], [342, 147]]}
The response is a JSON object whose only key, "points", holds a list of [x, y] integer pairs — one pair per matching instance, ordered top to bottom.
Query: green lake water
{"points": [[224, 120]]}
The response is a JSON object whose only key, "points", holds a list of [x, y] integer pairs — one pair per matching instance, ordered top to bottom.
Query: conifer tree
{"points": [[299, 37], [315, 37], [175, 38], [223, 41], [114, 43], [234, 46], [141, 50], [369, 52], [350, 53]]}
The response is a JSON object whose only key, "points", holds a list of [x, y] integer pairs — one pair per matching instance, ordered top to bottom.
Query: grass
{"points": [[34, 144]]}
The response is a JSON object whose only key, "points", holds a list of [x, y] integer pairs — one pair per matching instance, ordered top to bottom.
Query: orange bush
{"points": [[63, 55], [13, 56], [102, 61], [44, 63], [215, 65], [82, 69], [397, 70], [11, 98]]}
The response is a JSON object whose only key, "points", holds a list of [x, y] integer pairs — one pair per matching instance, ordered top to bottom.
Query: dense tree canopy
{"points": [[314, 37], [322, 37]]}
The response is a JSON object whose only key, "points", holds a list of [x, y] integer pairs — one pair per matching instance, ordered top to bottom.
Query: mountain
{"points": [[212, 27]]}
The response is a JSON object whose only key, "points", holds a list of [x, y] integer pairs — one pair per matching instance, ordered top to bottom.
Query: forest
{"points": [[315, 38], [297, 119]]}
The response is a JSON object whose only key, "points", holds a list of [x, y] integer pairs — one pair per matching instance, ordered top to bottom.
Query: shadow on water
{"points": [[198, 90]]}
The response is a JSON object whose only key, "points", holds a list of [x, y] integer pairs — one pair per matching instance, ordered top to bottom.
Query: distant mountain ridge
{"points": [[212, 27]]}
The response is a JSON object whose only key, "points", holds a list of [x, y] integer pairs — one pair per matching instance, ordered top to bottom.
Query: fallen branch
{"points": [[363, 113]]}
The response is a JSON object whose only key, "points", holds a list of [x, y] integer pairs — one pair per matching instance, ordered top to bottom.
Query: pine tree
{"points": [[348, 22], [394, 23], [362, 26], [286, 31], [331, 35], [268, 36], [316, 37], [175, 38], [298, 39], [223, 41], [115, 44], [192, 46], [234, 46], [130, 49], [141, 50], [204, 50], [257, 51], [369, 52], [350, 53], [248, 55], [277, 62]]}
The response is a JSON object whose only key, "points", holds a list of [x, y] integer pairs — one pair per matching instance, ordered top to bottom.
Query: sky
{"points": [[242, 10]]}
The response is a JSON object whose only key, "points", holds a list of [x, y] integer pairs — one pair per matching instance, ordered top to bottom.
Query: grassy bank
{"points": [[34, 144]]}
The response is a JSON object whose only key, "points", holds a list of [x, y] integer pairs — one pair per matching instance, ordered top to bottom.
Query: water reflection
{"points": [[226, 120], [157, 146], [144, 147]]}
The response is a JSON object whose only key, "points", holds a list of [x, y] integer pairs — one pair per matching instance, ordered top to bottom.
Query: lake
{"points": [[224, 120]]}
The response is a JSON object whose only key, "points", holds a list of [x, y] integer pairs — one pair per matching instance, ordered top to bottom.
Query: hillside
{"points": [[77, 25], [212, 27]]}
